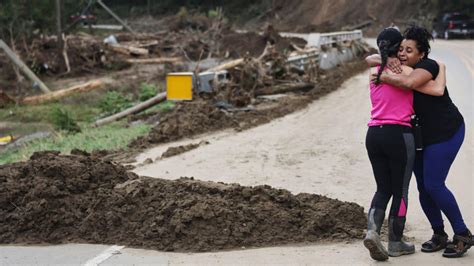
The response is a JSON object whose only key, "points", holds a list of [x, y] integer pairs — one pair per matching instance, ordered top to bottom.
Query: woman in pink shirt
{"points": [[391, 148]]}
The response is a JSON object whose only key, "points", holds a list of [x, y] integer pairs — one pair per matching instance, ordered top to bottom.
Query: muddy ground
{"points": [[201, 116], [80, 198]]}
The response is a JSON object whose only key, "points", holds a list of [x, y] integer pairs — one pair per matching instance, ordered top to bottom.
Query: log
{"points": [[142, 44], [127, 50], [161, 60], [17, 61], [227, 65], [284, 88], [63, 93], [132, 110]]}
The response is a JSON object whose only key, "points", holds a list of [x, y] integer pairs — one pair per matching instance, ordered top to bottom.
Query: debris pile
{"points": [[80, 198]]}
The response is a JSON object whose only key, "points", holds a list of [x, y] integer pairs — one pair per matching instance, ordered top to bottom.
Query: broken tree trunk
{"points": [[127, 50], [161, 60], [17, 61], [227, 65], [284, 88], [63, 93], [132, 110]]}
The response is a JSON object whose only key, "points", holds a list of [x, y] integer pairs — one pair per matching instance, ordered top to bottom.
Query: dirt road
{"points": [[317, 150], [321, 150]]}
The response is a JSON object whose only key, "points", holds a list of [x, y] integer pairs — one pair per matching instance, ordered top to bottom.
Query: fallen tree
{"points": [[56, 95], [132, 110]]}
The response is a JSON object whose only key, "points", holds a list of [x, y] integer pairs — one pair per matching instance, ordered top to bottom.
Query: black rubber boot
{"points": [[372, 239], [396, 246]]}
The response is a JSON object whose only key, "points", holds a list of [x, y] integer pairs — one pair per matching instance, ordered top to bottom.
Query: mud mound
{"points": [[237, 45], [188, 119], [56, 198]]}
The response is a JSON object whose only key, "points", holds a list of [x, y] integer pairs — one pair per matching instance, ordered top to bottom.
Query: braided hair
{"points": [[421, 36], [388, 42]]}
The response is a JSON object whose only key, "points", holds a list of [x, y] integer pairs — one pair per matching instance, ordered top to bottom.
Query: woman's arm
{"points": [[373, 60], [392, 62], [419, 80]]}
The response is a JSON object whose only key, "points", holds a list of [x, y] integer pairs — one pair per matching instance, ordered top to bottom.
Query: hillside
{"points": [[334, 15]]}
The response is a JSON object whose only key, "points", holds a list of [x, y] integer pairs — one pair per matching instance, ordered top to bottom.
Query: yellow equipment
{"points": [[179, 86], [7, 139]]}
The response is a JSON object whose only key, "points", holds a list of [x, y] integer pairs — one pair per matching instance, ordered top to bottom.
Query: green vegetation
{"points": [[147, 91], [113, 102], [42, 113], [62, 120], [110, 137]]}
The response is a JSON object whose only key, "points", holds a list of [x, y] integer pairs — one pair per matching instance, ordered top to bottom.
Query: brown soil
{"points": [[335, 15], [237, 45], [173, 151], [79, 198]]}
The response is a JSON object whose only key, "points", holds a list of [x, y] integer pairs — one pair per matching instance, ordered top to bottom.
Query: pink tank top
{"points": [[390, 105]]}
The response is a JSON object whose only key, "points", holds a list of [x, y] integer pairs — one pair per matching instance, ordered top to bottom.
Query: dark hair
{"points": [[421, 36], [388, 42]]}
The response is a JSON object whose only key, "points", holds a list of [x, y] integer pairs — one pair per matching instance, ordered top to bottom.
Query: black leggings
{"points": [[391, 150]]}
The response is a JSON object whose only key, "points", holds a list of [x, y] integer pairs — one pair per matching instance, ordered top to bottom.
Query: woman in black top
{"points": [[442, 135]]}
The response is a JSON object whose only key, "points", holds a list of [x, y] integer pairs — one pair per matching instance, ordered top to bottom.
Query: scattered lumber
{"points": [[143, 44], [127, 50], [160, 60], [227, 65], [52, 96], [161, 97]]}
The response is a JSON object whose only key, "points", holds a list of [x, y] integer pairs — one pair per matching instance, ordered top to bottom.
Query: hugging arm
{"points": [[373, 60], [392, 63], [419, 80]]}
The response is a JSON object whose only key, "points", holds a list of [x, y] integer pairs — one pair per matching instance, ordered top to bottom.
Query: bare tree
{"points": [[59, 30]]}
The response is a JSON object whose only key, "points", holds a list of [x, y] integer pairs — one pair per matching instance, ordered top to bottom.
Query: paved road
{"points": [[319, 157]]}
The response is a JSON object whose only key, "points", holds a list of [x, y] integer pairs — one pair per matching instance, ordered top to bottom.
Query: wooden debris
{"points": [[127, 50], [160, 60], [17, 61], [227, 65], [56, 95], [135, 109]]}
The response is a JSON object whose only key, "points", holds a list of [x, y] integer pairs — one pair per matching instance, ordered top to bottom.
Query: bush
{"points": [[147, 91], [114, 102], [62, 120]]}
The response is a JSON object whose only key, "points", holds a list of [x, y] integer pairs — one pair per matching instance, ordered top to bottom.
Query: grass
{"points": [[83, 112], [41, 113], [110, 137]]}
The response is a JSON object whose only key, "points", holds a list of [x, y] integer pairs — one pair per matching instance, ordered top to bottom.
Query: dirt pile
{"points": [[56, 198]]}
